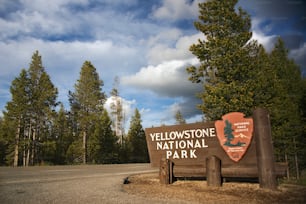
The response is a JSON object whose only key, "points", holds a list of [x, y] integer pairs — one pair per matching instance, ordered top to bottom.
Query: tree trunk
{"points": [[17, 136], [29, 145], [33, 147], [84, 147], [28, 154], [24, 155], [286, 160], [296, 160]]}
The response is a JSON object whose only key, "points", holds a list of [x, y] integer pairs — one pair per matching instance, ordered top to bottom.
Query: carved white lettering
{"points": [[192, 154]]}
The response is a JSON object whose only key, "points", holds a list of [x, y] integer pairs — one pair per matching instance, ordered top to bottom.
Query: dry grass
{"points": [[198, 192]]}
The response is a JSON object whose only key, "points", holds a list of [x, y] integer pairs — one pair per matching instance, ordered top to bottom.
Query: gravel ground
{"points": [[76, 184], [104, 184], [186, 191]]}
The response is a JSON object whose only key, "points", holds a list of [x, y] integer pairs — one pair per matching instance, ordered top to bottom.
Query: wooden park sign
{"points": [[232, 147]]}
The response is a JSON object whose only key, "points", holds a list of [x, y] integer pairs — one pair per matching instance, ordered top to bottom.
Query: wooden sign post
{"points": [[264, 147]]}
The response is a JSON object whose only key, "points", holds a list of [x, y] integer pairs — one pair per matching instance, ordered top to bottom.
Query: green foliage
{"points": [[225, 54], [238, 75], [87, 103], [29, 113], [286, 117], [179, 118], [62, 134], [137, 140], [4, 142], [103, 144], [74, 153]]}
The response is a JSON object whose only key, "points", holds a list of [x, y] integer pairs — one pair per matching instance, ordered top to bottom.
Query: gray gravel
{"points": [[71, 184]]}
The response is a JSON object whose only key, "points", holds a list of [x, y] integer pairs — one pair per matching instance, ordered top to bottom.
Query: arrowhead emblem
{"points": [[234, 133]]}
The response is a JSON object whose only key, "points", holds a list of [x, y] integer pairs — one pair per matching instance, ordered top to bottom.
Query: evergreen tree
{"points": [[225, 55], [238, 75], [42, 100], [87, 102], [30, 112], [285, 113], [16, 114], [179, 118], [63, 135], [137, 140], [302, 141], [4, 142], [103, 144]]}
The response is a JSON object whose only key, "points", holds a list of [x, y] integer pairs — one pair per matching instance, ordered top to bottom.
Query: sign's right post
{"points": [[264, 149]]}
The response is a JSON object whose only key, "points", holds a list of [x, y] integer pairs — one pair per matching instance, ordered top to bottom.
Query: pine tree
{"points": [[225, 55], [42, 100], [87, 102], [286, 110], [17, 111], [30, 111], [179, 118], [63, 135], [137, 140], [301, 141], [4, 142], [103, 145]]}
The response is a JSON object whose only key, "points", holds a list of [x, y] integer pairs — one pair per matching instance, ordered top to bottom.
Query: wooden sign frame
{"points": [[197, 149]]}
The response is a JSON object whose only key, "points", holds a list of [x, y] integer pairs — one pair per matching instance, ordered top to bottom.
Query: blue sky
{"points": [[144, 43]]}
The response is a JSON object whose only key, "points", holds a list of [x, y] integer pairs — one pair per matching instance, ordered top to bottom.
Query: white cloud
{"points": [[176, 10], [168, 36], [267, 41], [161, 52], [299, 55], [66, 56], [63, 61], [166, 79], [128, 108], [166, 114]]}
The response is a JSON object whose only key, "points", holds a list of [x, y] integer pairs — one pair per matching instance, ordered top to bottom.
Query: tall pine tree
{"points": [[225, 55], [42, 99], [87, 102], [30, 111], [17, 112], [286, 115], [179, 119], [63, 135], [137, 140], [103, 145]]}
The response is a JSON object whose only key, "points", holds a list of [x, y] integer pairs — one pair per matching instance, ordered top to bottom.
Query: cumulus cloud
{"points": [[176, 10], [272, 19], [145, 43], [160, 51], [299, 55], [63, 61], [166, 79], [128, 108], [166, 114]]}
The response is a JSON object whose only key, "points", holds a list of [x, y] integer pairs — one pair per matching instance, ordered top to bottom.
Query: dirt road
{"points": [[71, 184]]}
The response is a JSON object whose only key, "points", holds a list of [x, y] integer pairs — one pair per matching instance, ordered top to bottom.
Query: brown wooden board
{"points": [[192, 144]]}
